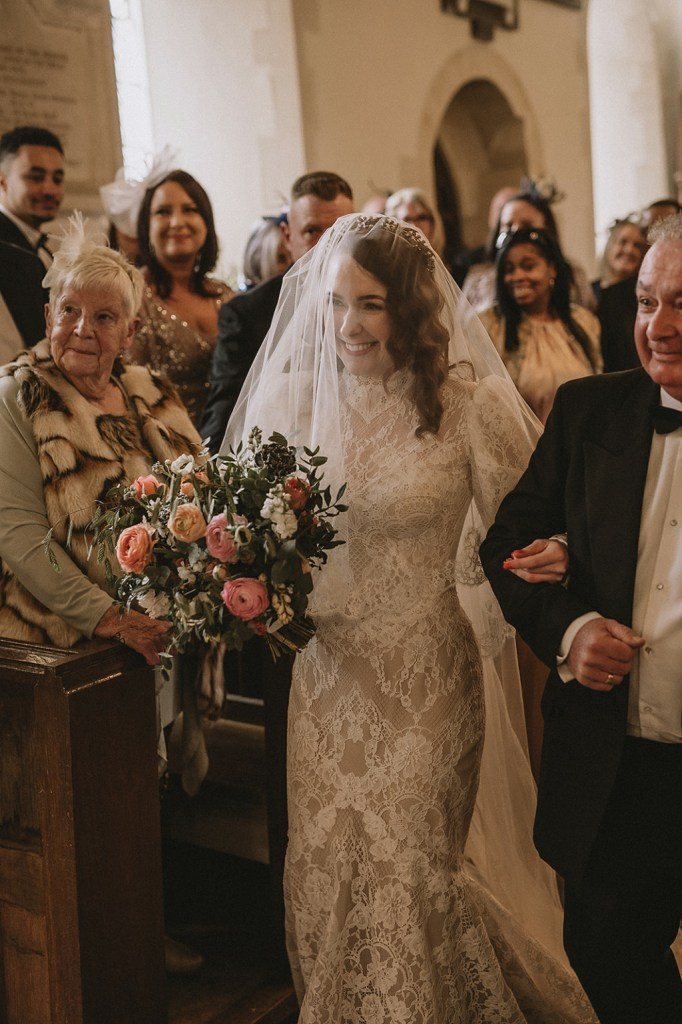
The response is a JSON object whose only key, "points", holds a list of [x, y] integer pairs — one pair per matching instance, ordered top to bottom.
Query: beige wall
{"points": [[376, 77], [224, 91]]}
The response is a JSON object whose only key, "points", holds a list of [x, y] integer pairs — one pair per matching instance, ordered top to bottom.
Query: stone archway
{"points": [[480, 129], [481, 143]]}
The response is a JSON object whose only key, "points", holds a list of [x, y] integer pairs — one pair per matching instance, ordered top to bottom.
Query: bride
{"points": [[410, 898]]}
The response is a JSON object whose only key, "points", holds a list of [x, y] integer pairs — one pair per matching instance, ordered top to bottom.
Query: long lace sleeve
{"points": [[502, 438]]}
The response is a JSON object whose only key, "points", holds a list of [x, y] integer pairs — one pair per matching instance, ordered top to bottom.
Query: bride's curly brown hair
{"points": [[404, 263]]}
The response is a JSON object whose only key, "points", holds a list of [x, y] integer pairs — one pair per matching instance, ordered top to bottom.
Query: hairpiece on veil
{"points": [[122, 198], [413, 237]]}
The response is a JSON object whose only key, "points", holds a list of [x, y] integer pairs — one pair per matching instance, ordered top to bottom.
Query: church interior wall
{"points": [[373, 98]]}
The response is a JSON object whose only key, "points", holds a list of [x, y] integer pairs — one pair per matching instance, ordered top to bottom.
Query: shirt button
{"points": [[673, 522], [659, 586], [647, 650], [646, 709]]}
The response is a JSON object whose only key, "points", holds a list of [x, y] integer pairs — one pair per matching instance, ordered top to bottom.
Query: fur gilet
{"points": [[83, 452]]}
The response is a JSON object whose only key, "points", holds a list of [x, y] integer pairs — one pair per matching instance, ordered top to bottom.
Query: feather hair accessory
{"points": [[122, 197], [76, 238]]}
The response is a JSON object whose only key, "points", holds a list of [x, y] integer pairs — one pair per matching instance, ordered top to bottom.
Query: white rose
{"points": [[183, 464]]}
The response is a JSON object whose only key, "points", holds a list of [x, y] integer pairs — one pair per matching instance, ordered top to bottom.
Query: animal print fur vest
{"points": [[83, 452]]}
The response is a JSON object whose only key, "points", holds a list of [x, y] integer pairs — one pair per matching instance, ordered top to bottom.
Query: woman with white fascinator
{"points": [[178, 249], [75, 420], [413, 891]]}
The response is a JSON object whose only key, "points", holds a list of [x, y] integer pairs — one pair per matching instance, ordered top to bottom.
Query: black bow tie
{"points": [[665, 420]]}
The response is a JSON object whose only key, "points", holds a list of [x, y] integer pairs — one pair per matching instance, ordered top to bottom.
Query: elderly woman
{"points": [[73, 422]]}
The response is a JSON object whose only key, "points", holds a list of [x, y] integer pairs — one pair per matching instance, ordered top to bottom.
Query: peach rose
{"points": [[146, 485], [298, 491], [187, 523], [220, 541], [134, 547], [244, 597]]}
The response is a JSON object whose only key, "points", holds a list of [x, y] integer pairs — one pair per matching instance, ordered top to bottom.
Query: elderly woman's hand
{"points": [[543, 561], [149, 637]]}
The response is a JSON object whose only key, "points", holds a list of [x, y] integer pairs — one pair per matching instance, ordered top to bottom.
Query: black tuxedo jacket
{"points": [[9, 232], [21, 286], [242, 325], [586, 478]]}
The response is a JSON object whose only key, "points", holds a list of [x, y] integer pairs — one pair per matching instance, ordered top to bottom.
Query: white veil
{"points": [[293, 388]]}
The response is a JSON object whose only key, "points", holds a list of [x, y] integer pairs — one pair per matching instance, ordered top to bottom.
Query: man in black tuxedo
{"points": [[31, 192], [317, 200], [608, 472]]}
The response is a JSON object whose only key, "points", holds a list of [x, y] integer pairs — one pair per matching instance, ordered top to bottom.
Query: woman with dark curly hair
{"points": [[178, 248], [543, 338], [413, 893]]}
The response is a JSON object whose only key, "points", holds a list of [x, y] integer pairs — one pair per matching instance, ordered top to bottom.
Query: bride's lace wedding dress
{"points": [[385, 922]]}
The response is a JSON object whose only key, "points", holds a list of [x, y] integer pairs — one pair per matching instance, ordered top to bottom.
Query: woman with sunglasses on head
{"points": [[527, 209], [543, 338]]}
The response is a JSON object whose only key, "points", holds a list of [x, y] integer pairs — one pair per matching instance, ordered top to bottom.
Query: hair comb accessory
{"points": [[544, 188], [122, 197], [413, 237]]}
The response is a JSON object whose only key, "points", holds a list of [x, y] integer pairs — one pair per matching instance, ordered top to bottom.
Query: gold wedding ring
{"points": [[609, 679]]}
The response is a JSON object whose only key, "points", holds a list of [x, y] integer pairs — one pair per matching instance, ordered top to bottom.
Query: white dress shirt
{"points": [[655, 696]]}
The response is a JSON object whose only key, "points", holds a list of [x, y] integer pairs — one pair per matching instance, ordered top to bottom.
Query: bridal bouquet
{"points": [[223, 547]]}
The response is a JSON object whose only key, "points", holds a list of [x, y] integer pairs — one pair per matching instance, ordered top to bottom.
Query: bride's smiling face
{"points": [[362, 324]]}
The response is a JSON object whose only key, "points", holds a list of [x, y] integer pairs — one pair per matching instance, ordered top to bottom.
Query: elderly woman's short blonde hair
{"points": [[420, 199], [83, 262]]}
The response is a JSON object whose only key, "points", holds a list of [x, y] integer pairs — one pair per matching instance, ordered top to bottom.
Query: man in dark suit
{"points": [[31, 192], [317, 200], [608, 472]]}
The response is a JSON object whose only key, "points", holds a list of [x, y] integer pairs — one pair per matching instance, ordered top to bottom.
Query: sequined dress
{"points": [[166, 342], [384, 923]]}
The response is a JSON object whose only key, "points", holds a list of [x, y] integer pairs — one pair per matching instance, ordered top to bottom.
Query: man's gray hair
{"points": [[668, 229]]}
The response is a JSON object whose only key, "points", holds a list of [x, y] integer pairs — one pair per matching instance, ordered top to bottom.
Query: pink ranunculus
{"points": [[146, 485], [298, 491], [187, 523], [220, 540], [134, 547], [244, 597]]}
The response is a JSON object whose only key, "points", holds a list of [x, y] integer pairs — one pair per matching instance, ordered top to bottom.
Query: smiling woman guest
{"points": [[623, 255], [179, 310], [543, 338], [74, 421]]}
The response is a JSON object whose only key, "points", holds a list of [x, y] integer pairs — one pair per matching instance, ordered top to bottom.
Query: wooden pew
{"points": [[81, 913]]}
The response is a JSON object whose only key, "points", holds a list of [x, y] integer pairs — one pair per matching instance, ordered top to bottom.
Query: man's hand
{"points": [[543, 561], [602, 652]]}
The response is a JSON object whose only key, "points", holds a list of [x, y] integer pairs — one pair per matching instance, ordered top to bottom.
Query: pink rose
{"points": [[146, 485], [298, 491], [187, 523], [220, 541], [134, 547], [246, 598]]}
